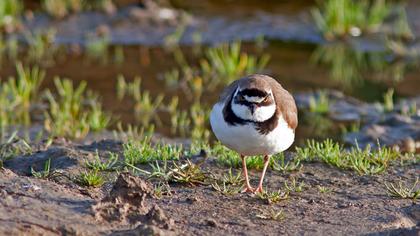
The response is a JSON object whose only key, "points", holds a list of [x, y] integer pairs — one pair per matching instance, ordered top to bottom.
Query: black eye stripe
{"points": [[253, 93]]}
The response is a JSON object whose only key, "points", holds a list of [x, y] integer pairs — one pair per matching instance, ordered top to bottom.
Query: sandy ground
{"points": [[354, 205]]}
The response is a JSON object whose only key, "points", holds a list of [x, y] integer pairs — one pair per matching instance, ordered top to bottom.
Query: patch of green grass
{"points": [[56, 8], [61, 8], [10, 11], [340, 18], [172, 40], [41, 47], [97, 48], [228, 62], [345, 64], [219, 66], [18, 94], [389, 100], [320, 103], [146, 107], [74, 112], [192, 123], [350, 128], [132, 132], [13, 146], [142, 152], [366, 161], [99, 165], [281, 165], [182, 172], [188, 173], [43, 174], [90, 179], [232, 179], [229, 183], [294, 186], [226, 188], [162, 189], [323, 189], [403, 190], [273, 197], [271, 214]]}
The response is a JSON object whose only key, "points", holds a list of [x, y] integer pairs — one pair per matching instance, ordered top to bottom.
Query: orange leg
{"points": [[266, 161], [248, 187]]}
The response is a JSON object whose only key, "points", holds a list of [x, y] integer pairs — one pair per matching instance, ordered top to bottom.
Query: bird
{"points": [[254, 116]]}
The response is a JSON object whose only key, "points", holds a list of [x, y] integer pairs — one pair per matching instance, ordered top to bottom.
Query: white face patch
{"points": [[254, 99], [242, 111], [261, 113], [264, 113]]}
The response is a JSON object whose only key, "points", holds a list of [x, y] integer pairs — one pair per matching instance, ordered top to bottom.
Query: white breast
{"points": [[246, 140]]}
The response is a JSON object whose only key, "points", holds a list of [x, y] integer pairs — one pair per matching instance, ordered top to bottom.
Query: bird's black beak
{"points": [[252, 108]]}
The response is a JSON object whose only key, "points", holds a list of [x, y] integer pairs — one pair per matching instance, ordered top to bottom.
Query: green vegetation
{"points": [[62, 8], [10, 11], [339, 18], [41, 47], [97, 48], [228, 63], [346, 64], [219, 66], [349, 66], [18, 94], [389, 100], [319, 104], [146, 107], [74, 112], [131, 132], [13, 146], [142, 152], [366, 161], [99, 165], [283, 166], [179, 172], [44, 173], [90, 179], [232, 179], [229, 183], [293, 186], [162, 189], [226, 189], [323, 189], [403, 190], [273, 197], [271, 214]]}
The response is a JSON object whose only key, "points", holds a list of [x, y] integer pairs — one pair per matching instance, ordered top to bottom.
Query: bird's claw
{"points": [[248, 190], [259, 190]]}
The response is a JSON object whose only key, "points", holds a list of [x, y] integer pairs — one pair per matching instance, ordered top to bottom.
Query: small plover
{"points": [[255, 115]]}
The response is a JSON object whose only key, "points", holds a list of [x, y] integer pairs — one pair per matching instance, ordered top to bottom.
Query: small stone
{"points": [[211, 222]]}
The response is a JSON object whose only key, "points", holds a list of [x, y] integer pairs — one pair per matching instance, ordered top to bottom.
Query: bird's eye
{"points": [[241, 98], [265, 99]]}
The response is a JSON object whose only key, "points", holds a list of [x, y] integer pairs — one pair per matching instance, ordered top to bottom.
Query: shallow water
{"points": [[293, 65], [366, 73]]}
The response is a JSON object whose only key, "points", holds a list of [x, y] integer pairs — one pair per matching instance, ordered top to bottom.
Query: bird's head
{"points": [[253, 102]]}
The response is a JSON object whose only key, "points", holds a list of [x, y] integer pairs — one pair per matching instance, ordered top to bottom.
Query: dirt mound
{"points": [[126, 201], [126, 204]]}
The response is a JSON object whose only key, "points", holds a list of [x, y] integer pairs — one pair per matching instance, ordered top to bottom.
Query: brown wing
{"points": [[285, 102]]}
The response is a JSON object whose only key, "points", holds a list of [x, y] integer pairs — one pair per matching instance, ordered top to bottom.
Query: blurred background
{"points": [[70, 68]]}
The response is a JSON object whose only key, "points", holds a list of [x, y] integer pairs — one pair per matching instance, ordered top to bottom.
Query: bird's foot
{"points": [[248, 190], [259, 190]]}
